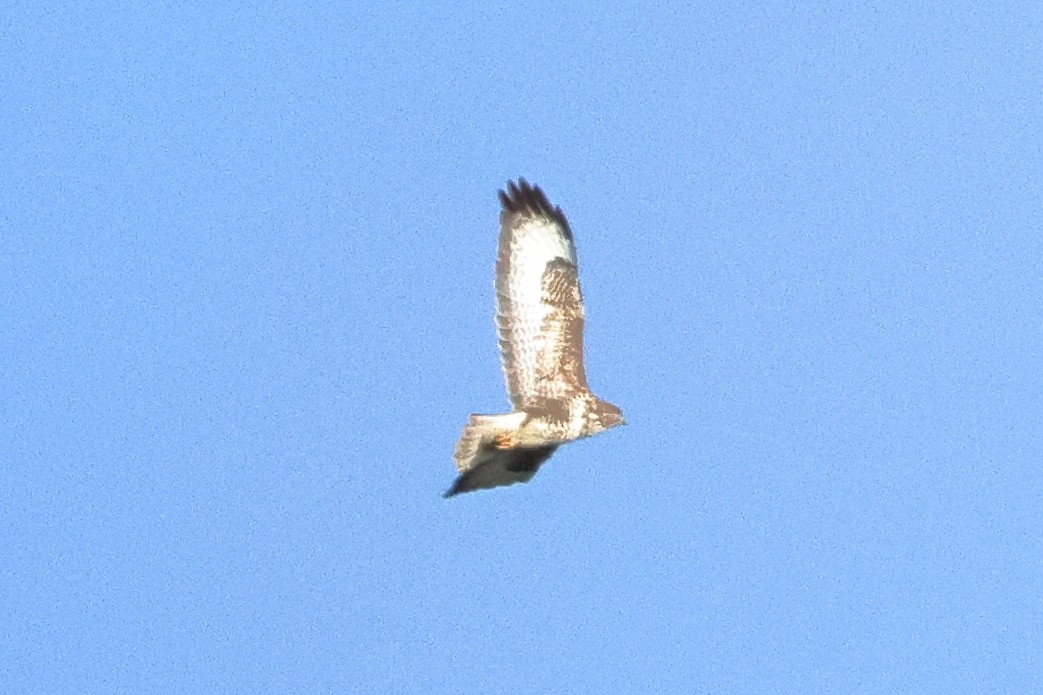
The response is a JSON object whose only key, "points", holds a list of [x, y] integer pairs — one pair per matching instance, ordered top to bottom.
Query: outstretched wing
{"points": [[539, 306], [483, 465], [497, 467]]}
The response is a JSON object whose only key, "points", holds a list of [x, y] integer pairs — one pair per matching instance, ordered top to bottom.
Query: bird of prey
{"points": [[539, 318]]}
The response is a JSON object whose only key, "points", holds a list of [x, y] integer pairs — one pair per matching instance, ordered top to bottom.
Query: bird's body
{"points": [[539, 318]]}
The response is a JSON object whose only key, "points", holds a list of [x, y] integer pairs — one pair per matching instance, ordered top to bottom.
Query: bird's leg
{"points": [[502, 440]]}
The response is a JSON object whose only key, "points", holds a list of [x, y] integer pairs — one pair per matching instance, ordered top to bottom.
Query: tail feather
{"points": [[479, 431], [482, 465]]}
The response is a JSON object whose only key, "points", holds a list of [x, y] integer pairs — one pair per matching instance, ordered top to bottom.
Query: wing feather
{"points": [[539, 305], [560, 372], [481, 465]]}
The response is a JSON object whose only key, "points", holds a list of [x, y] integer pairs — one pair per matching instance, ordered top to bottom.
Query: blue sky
{"points": [[246, 266]]}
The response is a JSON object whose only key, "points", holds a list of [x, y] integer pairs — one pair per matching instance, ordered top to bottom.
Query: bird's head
{"points": [[605, 416]]}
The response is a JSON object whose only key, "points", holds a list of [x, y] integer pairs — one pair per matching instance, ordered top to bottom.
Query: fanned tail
{"points": [[482, 464]]}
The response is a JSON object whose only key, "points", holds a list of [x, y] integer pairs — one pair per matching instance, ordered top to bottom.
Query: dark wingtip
{"points": [[522, 194], [525, 198], [455, 490]]}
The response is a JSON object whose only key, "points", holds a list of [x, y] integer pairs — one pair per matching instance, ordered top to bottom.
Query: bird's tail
{"points": [[480, 430], [483, 462]]}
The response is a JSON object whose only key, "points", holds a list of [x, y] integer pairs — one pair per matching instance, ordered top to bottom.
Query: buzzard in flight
{"points": [[539, 317]]}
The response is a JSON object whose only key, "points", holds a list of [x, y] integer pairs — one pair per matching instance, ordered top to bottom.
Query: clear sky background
{"points": [[246, 304]]}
